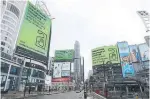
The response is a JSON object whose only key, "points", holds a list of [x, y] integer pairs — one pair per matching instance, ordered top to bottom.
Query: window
{"points": [[4, 2], [13, 9], [12, 15], [10, 19], [8, 23], [6, 38], [3, 43], [2, 49], [7, 51], [20, 61], [4, 67], [14, 70], [26, 71], [35, 73], [41, 74]]}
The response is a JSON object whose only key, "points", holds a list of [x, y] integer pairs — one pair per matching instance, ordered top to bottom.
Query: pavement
{"points": [[20, 95], [45, 95], [67, 95]]}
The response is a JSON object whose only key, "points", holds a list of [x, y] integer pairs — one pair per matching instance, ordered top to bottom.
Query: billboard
{"points": [[34, 35], [144, 51], [134, 53], [105, 54], [64, 55], [66, 66], [127, 67], [57, 70], [65, 73], [67, 79]]}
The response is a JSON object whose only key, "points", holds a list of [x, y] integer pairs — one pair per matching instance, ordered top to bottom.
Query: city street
{"points": [[67, 95]]}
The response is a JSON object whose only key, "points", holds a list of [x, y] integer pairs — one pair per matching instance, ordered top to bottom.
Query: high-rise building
{"points": [[11, 14], [77, 62], [15, 69]]}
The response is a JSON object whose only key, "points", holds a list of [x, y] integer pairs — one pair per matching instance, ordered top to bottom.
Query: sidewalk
{"points": [[20, 95]]}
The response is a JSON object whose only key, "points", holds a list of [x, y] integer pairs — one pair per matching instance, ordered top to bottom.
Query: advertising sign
{"points": [[34, 35], [144, 52], [134, 53], [105, 54], [64, 55], [65, 66], [127, 68], [57, 70], [65, 73], [67, 79]]}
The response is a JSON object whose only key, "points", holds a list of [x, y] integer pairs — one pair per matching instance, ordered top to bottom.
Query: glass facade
{"points": [[4, 67], [14, 70]]}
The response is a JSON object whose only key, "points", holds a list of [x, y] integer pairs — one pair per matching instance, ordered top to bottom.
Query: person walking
{"points": [[29, 89], [49, 89]]}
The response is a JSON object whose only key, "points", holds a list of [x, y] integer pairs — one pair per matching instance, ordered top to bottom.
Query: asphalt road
{"points": [[67, 95]]}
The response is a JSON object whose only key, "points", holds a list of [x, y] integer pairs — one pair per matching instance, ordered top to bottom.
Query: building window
{"points": [[4, 2], [13, 9], [12, 15], [10, 19], [8, 23], [6, 38], [3, 43], [2, 49], [7, 51], [20, 61], [4, 67], [14, 70], [26, 71]]}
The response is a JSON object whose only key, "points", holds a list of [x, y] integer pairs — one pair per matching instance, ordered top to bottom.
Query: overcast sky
{"points": [[95, 23]]}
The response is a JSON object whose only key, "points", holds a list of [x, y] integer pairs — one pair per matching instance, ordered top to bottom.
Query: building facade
{"points": [[11, 16], [77, 63], [17, 71]]}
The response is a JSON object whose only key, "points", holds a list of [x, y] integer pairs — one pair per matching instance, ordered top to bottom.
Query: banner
{"points": [[34, 35], [144, 52], [105, 54], [134, 54], [64, 55], [66, 66], [127, 68], [57, 70], [65, 73], [61, 79]]}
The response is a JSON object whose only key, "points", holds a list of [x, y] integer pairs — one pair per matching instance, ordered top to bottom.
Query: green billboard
{"points": [[34, 35], [64, 55], [102, 55]]}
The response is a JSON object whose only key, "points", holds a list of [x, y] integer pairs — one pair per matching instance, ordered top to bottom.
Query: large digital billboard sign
{"points": [[34, 35], [144, 52], [134, 53], [65, 55], [102, 55], [66, 66], [127, 67], [61, 69], [57, 70], [65, 73]]}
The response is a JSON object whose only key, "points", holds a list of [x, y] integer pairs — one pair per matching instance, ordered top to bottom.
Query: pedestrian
{"points": [[29, 89], [49, 89]]}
